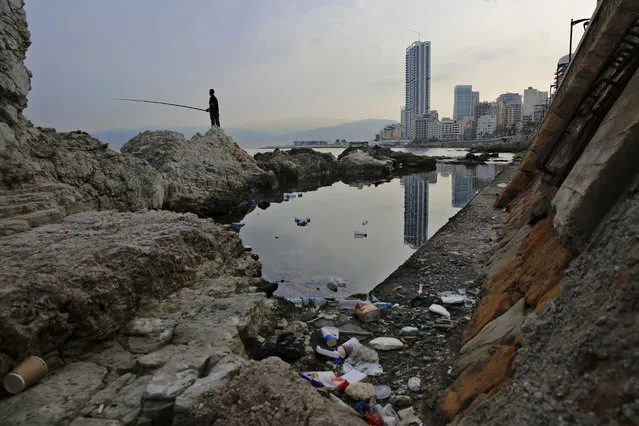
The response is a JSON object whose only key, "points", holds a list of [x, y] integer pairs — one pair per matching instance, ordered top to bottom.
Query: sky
{"points": [[279, 65]]}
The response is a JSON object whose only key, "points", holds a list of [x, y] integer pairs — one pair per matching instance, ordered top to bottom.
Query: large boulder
{"points": [[15, 78], [361, 163], [297, 164], [208, 174], [84, 284]]}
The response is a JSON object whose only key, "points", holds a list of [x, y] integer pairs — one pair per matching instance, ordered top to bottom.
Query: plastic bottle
{"points": [[308, 301], [383, 305]]}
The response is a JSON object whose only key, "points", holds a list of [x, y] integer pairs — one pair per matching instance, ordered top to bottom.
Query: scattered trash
{"points": [[502, 185], [299, 194], [287, 196], [252, 202], [264, 205], [302, 221], [364, 222], [238, 225], [63, 231], [360, 234], [248, 248], [331, 286], [397, 288], [421, 289], [461, 291], [452, 298], [300, 302], [349, 304], [383, 305], [439, 310], [367, 312], [409, 331], [331, 335], [386, 343], [288, 347], [331, 354], [366, 367], [450, 370], [24, 375], [354, 376], [324, 379], [414, 384], [360, 391], [382, 391], [100, 408], [387, 413], [408, 417]]}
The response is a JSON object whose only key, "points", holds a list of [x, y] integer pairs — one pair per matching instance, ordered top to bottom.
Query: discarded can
{"points": [[367, 312], [24, 375]]}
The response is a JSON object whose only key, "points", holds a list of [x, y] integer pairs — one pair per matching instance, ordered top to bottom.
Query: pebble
{"points": [[401, 401]]}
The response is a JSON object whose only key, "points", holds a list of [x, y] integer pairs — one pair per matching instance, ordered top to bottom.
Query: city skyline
{"points": [[277, 65]]}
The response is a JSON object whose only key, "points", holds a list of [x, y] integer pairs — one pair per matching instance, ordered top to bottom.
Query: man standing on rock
{"points": [[214, 109]]}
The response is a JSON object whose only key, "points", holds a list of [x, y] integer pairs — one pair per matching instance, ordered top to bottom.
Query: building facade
{"points": [[417, 83], [509, 97], [532, 97], [464, 102], [512, 115], [486, 125], [421, 127], [450, 129]]}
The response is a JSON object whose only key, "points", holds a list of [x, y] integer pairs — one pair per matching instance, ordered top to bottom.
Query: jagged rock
{"points": [[15, 78], [360, 163], [297, 164], [207, 174], [87, 282], [500, 330], [148, 334], [113, 356], [160, 357], [177, 375], [204, 389], [265, 393], [56, 398], [120, 400], [86, 421]]}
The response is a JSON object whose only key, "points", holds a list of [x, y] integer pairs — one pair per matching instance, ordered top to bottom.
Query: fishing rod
{"points": [[163, 103]]}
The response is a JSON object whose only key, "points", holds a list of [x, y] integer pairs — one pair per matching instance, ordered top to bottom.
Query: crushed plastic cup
{"points": [[331, 335], [382, 391]]}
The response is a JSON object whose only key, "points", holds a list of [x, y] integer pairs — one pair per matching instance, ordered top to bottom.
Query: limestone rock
{"points": [[360, 163], [297, 164], [207, 174], [87, 282], [499, 330], [148, 334], [112, 356], [160, 357], [269, 392], [57, 397], [121, 400], [86, 421]]}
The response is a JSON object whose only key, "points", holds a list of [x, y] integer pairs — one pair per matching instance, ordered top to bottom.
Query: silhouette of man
{"points": [[214, 109]]}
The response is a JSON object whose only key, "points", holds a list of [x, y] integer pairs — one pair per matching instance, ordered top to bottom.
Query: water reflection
{"points": [[416, 207], [398, 216]]}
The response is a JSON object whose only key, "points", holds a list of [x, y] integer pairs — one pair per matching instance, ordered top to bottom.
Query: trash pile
{"points": [[302, 221], [352, 368]]}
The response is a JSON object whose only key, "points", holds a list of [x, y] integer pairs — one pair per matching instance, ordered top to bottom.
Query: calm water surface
{"points": [[399, 217]]}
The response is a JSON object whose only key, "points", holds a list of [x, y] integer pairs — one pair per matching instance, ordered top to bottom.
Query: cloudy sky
{"points": [[279, 65]]}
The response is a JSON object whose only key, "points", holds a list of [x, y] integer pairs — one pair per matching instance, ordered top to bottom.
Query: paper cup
{"points": [[331, 334], [24, 375]]}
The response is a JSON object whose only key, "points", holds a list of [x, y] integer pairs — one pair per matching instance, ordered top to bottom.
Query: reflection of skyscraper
{"points": [[463, 189], [416, 209]]}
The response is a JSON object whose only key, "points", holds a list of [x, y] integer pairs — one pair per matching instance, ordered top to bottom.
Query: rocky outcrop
{"points": [[15, 78], [351, 159], [360, 163], [298, 164], [208, 174], [84, 284]]}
